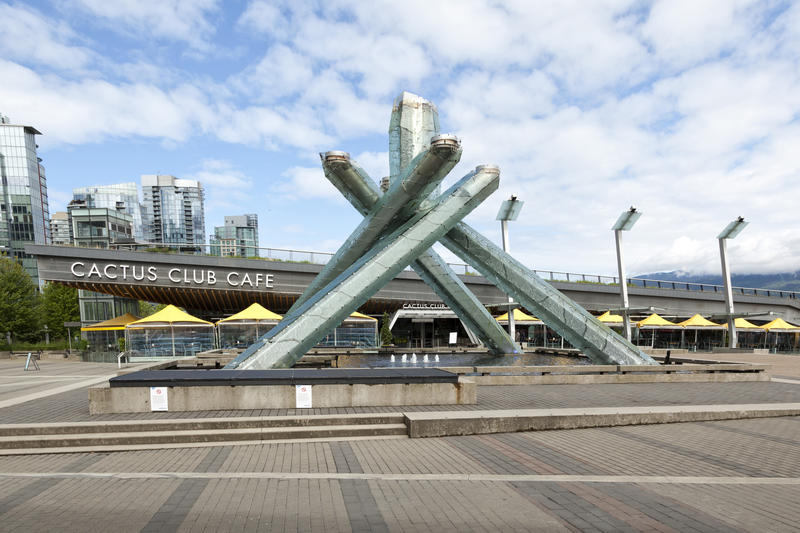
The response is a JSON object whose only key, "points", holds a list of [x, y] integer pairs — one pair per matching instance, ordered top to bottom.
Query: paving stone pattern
{"points": [[475, 483], [354, 485], [175, 509]]}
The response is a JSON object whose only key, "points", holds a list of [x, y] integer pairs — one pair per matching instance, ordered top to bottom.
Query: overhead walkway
{"points": [[227, 285]]}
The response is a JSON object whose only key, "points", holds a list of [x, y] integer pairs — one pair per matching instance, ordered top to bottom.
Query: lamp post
{"points": [[509, 210], [624, 223], [731, 230]]}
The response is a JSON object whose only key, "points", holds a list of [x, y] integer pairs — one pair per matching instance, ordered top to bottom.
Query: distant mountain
{"points": [[789, 281]]}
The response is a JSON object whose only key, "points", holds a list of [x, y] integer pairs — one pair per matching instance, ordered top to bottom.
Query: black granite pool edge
{"points": [[305, 376]]}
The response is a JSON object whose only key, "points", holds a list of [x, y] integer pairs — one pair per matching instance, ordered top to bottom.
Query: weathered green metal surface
{"points": [[414, 121], [351, 180], [361, 192], [394, 208], [399, 228], [569, 319], [307, 325], [581, 329]]}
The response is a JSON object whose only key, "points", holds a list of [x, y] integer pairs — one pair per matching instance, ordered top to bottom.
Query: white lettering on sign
{"points": [[107, 268], [94, 271], [75, 272], [183, 276], [425, 306]]}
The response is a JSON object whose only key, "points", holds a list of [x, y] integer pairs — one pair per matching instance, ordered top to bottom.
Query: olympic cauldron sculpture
{"points": [[400, 225]]}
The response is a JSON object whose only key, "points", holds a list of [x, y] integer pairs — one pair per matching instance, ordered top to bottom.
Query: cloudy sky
{"points": [[687, 109]]}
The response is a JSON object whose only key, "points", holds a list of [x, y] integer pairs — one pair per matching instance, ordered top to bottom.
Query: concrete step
{"points": [[197, 424], [222, 436]]}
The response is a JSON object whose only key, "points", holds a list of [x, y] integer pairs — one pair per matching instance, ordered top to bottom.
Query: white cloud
{"points": [[262, 16], [170, 20], [684, 32], [26, 35], [279, 73], [91, 110], [688, 110], [268, 127], [376, 164], [222, 174], [307, 182], [58, 200]]}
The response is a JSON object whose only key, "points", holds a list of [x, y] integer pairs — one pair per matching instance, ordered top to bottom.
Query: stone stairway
{"points": [[144, 434]]}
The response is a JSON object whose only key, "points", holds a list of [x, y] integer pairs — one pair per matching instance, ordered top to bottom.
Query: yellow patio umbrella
{"points": [[256, 312], [357, 315], [169, 317], [520, 317], [608, 318], [655, 322], [698, 323], [742, 323], [112, 324], [246, 325], [779, 325], [747, 326], [102, 333]]}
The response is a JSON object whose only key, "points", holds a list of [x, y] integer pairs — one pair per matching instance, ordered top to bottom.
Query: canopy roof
{"points": [[255, 312], [357, 315], [169, 316], [519, 317], [608, 318], [654, 320], [699, 322], [117, 323], [741, 323], [779, 324]]}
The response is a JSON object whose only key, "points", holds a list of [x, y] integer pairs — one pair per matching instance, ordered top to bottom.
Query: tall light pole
{"points": [[509, 210], [624, 223], [731, 230]]}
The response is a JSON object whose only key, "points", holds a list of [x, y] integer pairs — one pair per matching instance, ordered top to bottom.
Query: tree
{"points": [[18, 302], [59, 305], [148, 308], [386, 333]]}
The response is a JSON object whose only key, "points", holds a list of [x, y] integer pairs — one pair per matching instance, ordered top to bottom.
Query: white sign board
{"points": [[453, 337], [303, 396], [158, 399]]}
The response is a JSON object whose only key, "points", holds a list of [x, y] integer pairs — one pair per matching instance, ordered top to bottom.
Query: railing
{"points": [[321, 258], [707, 287]]}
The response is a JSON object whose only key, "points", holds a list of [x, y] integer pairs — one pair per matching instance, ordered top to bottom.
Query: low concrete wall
{"points": [[104, 399], [441, 424]]}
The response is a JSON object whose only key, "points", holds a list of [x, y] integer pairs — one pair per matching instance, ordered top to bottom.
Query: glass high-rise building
{"points": [[120, 196], [24, 210], [173, 211], [238, 237]]}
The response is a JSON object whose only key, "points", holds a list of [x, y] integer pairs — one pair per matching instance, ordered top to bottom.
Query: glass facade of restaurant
{"points": [[352, 333], [241, 334], [169, 341]]}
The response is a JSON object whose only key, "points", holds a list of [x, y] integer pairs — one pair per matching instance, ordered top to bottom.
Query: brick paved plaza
{"points": [[738, 475]]}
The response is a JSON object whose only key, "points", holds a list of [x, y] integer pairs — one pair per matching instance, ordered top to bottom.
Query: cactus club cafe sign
{"points": [[116, 272]]}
